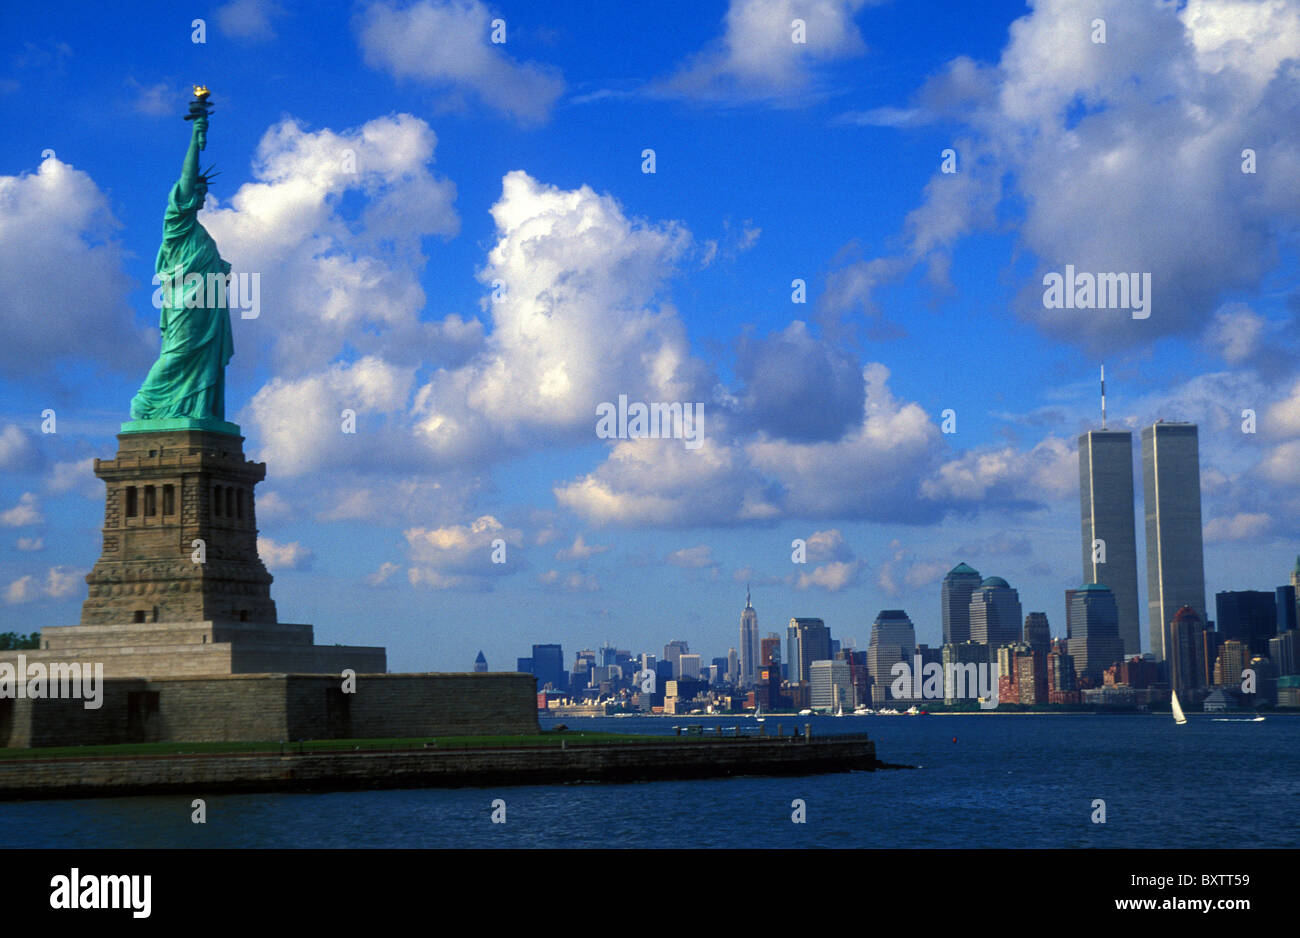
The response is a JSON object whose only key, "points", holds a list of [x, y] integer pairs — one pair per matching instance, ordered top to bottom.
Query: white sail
{"points": [[1178, 710]]}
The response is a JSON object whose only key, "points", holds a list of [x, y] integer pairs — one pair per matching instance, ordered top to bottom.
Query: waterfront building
{"points": [[1171, 486], [1109, 538], [961, 581], [1295, 585], [1284, 600], [995, 616], [1249, 616], [1038, 634], [893, 639], [812, 642], [1095, 644], [1187, 648], [1284, 650], [673, 652], [968, 657], [1233, 658], [548, 666], [1140, 673], [1031, 675], [1265, 681], [1062, 683], [830, 685], [1288, 690], [767, 692], [796, 693], [1222, 699]]}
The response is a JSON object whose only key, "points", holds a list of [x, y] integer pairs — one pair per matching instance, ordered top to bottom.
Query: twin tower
{"points": [[1171, 489]]}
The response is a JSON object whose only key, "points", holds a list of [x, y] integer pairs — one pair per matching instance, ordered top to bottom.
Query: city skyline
{"points": [[816, 261]]}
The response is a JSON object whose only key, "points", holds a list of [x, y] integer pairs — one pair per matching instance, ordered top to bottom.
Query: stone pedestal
{"points": [[180, 533], [179, 589]]}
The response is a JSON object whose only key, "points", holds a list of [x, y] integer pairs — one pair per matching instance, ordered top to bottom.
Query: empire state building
{"points": [[748, 644]]}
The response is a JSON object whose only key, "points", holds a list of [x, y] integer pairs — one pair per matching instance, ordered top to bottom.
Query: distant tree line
{"points": [[15, 641]]}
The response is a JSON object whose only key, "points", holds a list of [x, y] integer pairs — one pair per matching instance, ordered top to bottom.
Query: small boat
{"points": [[1177, 709], [839, 711], [912, 711], [805, 713], [1255, 719]]}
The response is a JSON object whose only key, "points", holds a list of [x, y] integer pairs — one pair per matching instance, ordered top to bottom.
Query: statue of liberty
{"points": [[186, 386]]}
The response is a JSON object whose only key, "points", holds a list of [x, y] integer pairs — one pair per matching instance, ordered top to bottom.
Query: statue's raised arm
{"points": [[199, 110]]}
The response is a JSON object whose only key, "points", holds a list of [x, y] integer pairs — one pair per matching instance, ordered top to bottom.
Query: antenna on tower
{"points": [[1103, 397]]}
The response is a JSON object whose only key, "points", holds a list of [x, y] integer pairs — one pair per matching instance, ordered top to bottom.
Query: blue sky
{"points": [[521, 162]]}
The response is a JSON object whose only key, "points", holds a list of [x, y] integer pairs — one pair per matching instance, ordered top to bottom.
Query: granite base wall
{"points": [[275, 707]]}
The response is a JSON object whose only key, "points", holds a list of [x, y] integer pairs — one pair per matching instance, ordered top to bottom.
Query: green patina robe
{"points": [[189, 377]]}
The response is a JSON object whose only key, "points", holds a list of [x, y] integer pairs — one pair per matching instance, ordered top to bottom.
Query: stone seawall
{"points": [[197, 775]]}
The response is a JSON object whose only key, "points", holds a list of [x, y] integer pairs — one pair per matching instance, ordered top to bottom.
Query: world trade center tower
{"points": [[1171, 487], [1109, 533]]}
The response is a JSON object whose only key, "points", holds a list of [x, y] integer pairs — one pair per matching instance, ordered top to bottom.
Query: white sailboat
{"points": [[1178, 710]]}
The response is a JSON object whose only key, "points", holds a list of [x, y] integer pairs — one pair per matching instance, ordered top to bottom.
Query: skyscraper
{"points": [[1171, 488], [1106, 509], [961, 581], [1295, 585], [1284, 599], [1250, 616], [995, 617], [1038, 634], [893, 639], [812, 642], [748, 644], [1095, 644], [1284, 649], [769, 650], [673, 652], [1186, 652], [792, 653], [1234, 655], [480, 664], [548, 665], [960, 676], [831, 686]]}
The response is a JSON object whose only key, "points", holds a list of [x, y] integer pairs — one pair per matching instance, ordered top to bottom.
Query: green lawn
{"points": [[551, 738]]}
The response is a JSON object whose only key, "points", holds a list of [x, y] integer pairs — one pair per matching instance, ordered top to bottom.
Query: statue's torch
{"points": [[200, 108]]}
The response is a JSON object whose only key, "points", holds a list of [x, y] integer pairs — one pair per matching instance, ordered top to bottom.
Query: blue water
{"points": [[1007, 781]]}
